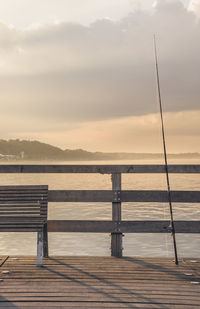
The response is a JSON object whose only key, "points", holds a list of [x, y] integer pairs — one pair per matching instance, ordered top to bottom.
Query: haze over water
{"points": [[99, 244]]}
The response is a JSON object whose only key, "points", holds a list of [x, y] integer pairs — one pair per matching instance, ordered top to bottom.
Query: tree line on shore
{"points": [[35, 150]]}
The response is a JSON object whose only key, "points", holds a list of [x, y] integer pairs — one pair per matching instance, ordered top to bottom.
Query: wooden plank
{"points": [[102, 169], [24, 188], [80, 196], [126, 196], [9, 199], [43, 202], [20, 207], [21, 212], [21, 219], [81, 226], [124, 226], [22, 228], [116, 236], [84, 282], [10, 286], [84, 290], [92, 294], [102, 298], [99, 304]]}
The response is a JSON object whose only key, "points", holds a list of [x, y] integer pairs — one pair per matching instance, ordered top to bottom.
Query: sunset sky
{"points": [[81, 73]]}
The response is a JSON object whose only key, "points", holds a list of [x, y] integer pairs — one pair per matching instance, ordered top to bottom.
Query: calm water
{"points": [[99, 244]]}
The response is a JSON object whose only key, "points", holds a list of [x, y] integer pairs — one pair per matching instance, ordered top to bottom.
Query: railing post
{"points": [[116, 235]]}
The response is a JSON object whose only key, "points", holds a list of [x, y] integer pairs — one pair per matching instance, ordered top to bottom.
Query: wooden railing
{"points": [[116, 196]]}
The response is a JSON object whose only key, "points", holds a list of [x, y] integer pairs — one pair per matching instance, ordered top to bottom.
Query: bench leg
{"points": [[45, 242], [39, 248]]}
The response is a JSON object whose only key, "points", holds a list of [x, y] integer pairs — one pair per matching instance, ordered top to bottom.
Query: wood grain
{"points": [[102, 169], [87, 226], [100, 282]]}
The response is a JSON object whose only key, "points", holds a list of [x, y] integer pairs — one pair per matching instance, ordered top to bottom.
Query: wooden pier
{"points": [[99, 282], [105, 282]]}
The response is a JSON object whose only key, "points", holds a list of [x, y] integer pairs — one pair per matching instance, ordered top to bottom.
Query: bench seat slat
{"points": [[25, 187], [18, 190], [25, 193], [22, 199], [17, 203], [22, 206], [42, 211], [25, 213], [24, 218], [26, 222], [28, 226], [24, 230]]}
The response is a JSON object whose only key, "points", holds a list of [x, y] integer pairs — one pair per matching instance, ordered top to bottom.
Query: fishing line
{"points": [[165, 154]]}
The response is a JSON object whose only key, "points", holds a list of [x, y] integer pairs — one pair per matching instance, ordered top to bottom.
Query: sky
{"points": [[81, 74]]}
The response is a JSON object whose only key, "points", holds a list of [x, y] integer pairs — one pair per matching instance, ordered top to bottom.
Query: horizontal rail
{"points": [[102, 169], [125, 196], [122, 226]]}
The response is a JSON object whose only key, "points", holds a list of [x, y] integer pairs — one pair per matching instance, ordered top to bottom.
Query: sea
{"points": [[94, 244]]}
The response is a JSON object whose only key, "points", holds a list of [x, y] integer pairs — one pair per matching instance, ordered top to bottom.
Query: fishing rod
{"points": [[165, 153]]}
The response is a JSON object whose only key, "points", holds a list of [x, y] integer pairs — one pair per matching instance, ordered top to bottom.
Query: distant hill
{"points": [[30, 150], [34, 150]]}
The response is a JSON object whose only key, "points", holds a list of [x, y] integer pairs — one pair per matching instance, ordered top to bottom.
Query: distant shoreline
{"points": [[23, 150], [102, 159]]}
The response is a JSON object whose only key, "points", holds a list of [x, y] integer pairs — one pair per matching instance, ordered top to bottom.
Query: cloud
{"points": [[194, 6], [35, 11], [68, 73]]}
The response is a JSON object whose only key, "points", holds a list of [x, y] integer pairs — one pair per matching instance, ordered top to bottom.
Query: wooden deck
{"points": [[99, 282]]}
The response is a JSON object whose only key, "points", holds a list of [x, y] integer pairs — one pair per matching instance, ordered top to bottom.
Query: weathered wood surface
{"points": [[102, 169], [125, 196], [23, 208], [86, 226], [116, 234], [100, 282]]}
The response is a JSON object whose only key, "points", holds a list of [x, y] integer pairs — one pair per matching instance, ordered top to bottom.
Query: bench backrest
{"points": [[23, 208]]}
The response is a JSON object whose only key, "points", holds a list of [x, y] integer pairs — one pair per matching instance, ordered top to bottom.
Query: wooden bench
{"points": [[24, 209]]}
